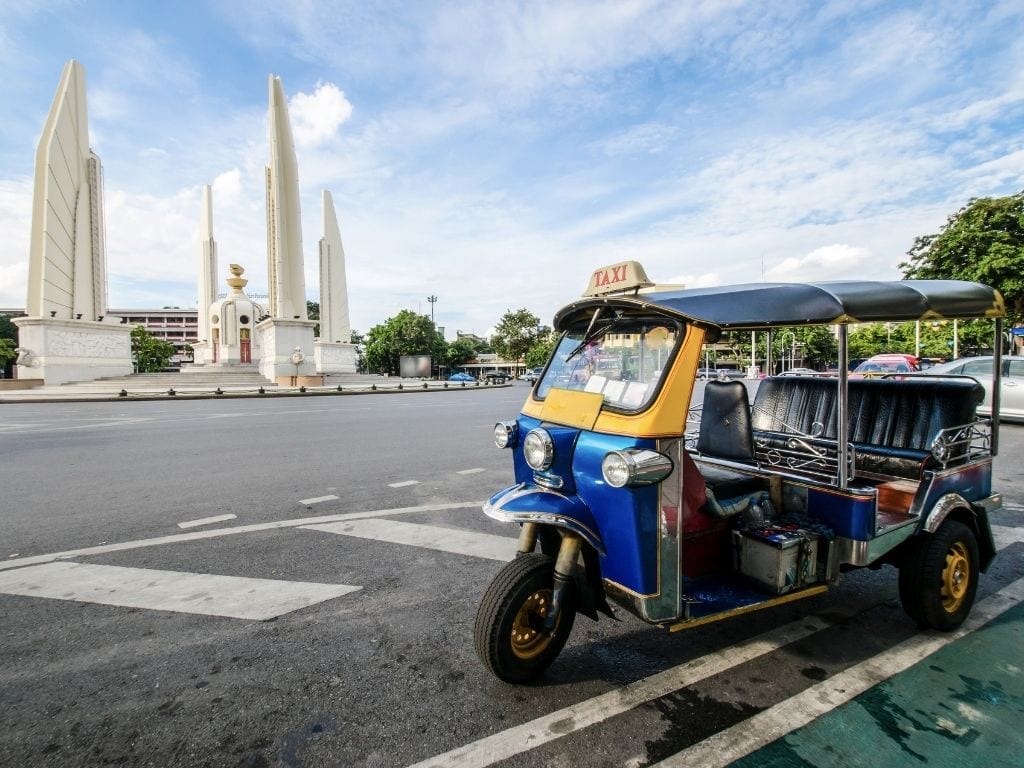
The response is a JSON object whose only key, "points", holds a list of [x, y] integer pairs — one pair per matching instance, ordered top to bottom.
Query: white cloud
{"points": [[316, 117], [830, 262]]}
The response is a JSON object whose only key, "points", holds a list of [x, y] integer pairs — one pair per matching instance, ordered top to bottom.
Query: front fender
{"points": [[526, 503]]}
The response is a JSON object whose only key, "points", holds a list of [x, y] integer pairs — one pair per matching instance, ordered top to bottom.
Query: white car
{"points": [[1011, 397]]}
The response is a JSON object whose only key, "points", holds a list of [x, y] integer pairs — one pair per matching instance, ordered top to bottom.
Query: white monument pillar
{"points": [[207, 280], [288, 331], [67, 336], [333, 351]]}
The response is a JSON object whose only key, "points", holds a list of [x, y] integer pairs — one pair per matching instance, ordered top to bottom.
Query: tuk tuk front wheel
{"points": [[940, 578], [509, 631]]}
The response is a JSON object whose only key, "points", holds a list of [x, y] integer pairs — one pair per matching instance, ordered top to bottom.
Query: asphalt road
{"points": [[382, 673]]}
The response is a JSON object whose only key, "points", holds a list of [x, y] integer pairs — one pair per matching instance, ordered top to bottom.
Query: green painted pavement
{"points": [[962, 706]]}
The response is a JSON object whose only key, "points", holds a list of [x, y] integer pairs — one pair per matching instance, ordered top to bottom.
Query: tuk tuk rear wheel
{"points": [[940, 578], [508, 633]]}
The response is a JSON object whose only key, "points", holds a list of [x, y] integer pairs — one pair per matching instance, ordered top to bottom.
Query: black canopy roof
{"points": [[763, 305]]}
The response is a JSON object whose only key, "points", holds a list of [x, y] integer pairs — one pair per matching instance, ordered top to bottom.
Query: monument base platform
{"points": [[287, 348], [59, 351], [335, 357]]}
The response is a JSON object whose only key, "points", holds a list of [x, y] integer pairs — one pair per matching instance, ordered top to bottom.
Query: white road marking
{"points": [[470, 471], [403, 483], [318, 499], [1013, 507], [206, 521], [233, 531], [461, 542], [232, 596], [553, 726], [765, 727]]}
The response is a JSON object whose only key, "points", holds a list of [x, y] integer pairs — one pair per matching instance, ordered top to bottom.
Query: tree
{"points": [[983, 241], [313, 313], [407, 333], [515, 333], [8, 343], [460, 351], [151, 354], [538, 354]]}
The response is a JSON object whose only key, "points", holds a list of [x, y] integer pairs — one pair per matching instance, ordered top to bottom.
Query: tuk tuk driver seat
{"points": [[725, 430]]}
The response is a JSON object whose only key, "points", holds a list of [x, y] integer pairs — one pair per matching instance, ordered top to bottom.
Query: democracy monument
{"points": [[67, 335]]}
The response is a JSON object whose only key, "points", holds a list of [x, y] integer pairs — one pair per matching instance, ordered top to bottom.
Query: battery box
{"points": [[778, 560]]}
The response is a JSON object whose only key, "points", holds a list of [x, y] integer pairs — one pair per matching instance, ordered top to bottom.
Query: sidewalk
{"points": [[928, 715]]}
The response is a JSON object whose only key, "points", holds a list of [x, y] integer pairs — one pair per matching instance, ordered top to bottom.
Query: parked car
{"points": [[880, 365], [800, 372], [720, 373], [461, 377], [497, 377], [1011, 393]]}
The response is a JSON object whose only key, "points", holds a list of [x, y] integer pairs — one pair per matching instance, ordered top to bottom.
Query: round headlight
{"points": [[505, 434], [538, 450], [635, 466], [615, 469]]}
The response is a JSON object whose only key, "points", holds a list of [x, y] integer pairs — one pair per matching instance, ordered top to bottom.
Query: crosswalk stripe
{"points": [[460, 542], [233, 596]]}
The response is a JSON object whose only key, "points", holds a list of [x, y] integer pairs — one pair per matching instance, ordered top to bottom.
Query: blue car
{"points": [[461, 377]]}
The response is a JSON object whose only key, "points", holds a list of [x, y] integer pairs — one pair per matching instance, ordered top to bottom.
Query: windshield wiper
{"points": [[592, 333]]}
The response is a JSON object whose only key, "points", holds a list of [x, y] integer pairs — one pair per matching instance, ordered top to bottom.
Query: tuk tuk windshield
{"points": [[622, 358]]}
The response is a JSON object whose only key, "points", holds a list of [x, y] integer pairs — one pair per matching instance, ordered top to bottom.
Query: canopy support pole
{"points": [[997, 369], [842, 406]]}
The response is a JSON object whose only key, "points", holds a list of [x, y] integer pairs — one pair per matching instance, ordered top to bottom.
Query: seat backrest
{"points": [[725, 422]]}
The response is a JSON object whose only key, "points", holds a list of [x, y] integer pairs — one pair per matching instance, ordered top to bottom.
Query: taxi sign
{"points": [[615, 278]]}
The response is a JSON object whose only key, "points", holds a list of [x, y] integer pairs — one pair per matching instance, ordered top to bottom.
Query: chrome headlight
{"points": [[506, 434], [538, 450], [635, 467]]}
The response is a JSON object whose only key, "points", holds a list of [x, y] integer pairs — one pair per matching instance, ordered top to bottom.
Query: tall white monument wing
{"points": [[207, 264], [67, 269], [285, 278], [334, 320]]}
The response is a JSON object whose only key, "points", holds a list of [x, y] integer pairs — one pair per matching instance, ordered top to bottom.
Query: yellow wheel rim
{"points": [[956, 577], [528, 641]]}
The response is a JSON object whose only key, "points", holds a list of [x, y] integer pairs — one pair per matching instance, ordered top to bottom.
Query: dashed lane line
{"points": [[472, 471], [403, 483], [318, 499], [206, 521], [218, 532], [458, 541], [211, 595], [765, 727]]}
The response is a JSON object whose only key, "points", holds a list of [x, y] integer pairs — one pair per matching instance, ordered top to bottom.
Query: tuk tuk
{"points": [[686, 516]]}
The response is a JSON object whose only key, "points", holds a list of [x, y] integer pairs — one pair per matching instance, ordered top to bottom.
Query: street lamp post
{"points": [[433, 301]]}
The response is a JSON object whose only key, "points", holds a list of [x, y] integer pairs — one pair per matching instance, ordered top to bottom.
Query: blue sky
{"points": [[494, 153]]}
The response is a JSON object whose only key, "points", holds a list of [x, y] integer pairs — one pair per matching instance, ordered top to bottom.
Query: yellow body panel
{"points": [[665, 417]]}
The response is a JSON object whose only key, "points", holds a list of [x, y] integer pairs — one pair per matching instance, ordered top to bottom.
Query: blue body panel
{"points": [[848, 516], [625, 519]]}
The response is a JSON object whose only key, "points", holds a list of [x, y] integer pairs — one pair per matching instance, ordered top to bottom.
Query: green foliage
{"points": [[983, 241], [313, 313], [407, 333], [515, 333], [460, 351], [7, 353], [151, 354], [538, 354]]}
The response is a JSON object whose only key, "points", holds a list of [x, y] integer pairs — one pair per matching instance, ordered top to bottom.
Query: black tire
{"points": [[939, 578], [506, 633]]}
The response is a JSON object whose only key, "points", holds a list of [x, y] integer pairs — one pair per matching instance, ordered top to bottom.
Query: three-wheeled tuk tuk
{"points": [[622, 493]]}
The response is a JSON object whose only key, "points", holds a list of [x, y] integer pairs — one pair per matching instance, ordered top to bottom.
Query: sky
{"points": [[493, 154]]}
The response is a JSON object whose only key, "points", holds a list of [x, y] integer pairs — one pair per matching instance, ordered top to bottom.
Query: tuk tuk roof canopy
{"points": [[764, 305]]}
